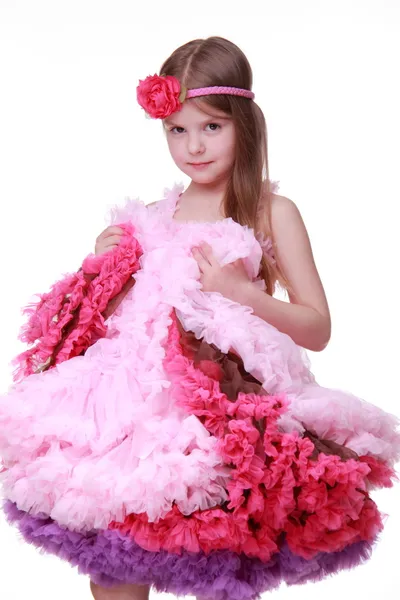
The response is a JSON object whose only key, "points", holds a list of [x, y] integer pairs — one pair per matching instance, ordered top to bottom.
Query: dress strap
{"points": [[169, 203], [267, 247]]}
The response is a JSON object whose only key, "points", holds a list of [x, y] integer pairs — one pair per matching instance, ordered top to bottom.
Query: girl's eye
{"points": [[212, 126], [174, 129]]}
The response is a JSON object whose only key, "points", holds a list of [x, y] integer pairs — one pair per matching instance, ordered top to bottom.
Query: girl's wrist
{"points": [[243, 292]]}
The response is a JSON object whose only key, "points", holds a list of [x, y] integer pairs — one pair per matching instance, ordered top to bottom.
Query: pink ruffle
{"points": [[267, 248]]}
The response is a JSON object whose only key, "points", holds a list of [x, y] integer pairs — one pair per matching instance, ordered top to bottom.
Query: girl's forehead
{"points": [[190, 113]]}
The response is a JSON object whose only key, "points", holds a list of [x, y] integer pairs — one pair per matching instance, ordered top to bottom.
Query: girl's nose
{"points": [[195, 144]]}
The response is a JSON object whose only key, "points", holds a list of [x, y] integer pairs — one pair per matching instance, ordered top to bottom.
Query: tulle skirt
{"points": [[200, 490]]}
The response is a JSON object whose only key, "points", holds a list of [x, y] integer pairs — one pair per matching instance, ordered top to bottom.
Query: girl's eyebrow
{"points": [[210, 119]]}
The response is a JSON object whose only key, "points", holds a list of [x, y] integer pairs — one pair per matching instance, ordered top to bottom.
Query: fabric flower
{"points": [[160, 96]]}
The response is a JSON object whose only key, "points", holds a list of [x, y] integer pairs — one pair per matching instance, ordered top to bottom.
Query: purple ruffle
{"points": [[110, 558]]}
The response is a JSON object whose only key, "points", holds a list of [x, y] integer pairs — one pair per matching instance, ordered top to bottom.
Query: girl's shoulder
{"points": [[276, 200], [282, 206], [271, 208], [283, 211], [281, 220]]}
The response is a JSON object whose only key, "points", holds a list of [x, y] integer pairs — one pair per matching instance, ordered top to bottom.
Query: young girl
{"points": [[165, 428]]}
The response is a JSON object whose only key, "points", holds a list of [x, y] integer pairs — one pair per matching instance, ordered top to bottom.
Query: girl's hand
{"points": [[108, 239], [227, 280]]}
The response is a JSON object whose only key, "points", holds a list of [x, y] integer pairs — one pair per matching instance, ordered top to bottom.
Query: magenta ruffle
{"points": [[86, 292], [321, 504]]}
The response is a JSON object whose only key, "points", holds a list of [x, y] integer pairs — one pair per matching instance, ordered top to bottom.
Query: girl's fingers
{"points": [[112, 230], [112, 239], [104, 250], [206, 251], [201, 261]]}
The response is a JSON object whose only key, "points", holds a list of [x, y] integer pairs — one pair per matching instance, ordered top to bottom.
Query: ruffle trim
{"points": [[273, 358], [320, 504], [110, 559]]}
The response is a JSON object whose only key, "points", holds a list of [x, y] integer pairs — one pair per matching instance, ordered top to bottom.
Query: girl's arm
{"points": [[306, 319]]}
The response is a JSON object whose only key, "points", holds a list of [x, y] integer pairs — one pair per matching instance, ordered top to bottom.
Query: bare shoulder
{"points": [[282, 203], [281, 208], [287, 223]]}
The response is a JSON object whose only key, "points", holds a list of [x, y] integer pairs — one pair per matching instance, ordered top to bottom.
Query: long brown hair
{"points": [[217, 61]]}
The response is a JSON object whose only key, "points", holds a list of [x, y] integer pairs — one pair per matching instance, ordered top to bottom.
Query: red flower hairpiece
{"points": [[160, 95]]}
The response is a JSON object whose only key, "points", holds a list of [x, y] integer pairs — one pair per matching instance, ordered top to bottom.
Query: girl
{"points": [[167, 430]]}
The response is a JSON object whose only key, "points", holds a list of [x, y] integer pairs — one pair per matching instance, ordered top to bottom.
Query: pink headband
{"points": [[162, 95]]}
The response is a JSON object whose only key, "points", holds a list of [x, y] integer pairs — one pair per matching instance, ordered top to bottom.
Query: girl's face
{"points": [[202, 146]]}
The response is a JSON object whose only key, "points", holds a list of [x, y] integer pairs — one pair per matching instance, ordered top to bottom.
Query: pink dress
{"points": [[191, 448]]}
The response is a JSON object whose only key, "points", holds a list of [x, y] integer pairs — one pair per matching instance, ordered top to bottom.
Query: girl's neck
{"points": [[203, 199]]}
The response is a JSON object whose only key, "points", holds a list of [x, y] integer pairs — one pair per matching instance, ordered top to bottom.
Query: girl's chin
{"points": [[200, 176]]}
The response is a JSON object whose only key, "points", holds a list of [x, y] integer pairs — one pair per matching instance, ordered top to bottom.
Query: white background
{"points": [[74, 142]]}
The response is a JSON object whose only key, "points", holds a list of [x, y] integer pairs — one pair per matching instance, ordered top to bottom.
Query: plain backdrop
{"points": [[74, 142]]}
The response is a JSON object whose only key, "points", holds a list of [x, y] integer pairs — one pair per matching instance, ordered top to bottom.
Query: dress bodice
{"points": [[170, 206]]}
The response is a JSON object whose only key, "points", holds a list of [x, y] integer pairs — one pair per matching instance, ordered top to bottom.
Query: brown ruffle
{"points": [[235, 379]]}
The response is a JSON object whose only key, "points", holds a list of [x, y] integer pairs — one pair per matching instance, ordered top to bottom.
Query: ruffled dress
{"points": [[190, 448]]}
